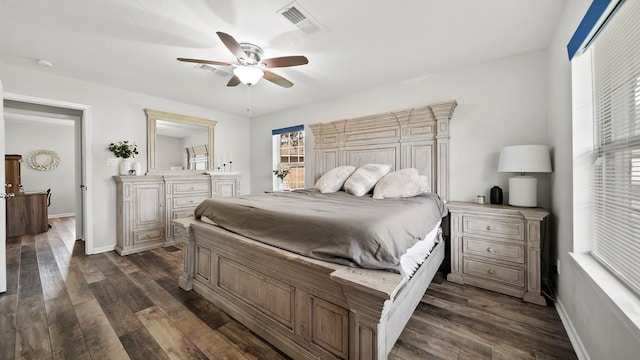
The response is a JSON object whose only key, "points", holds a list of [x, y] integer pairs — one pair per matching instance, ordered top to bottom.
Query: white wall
{"points": [[500, 103], [119, 115], [25, 136], [170, 152], [599, 329]]}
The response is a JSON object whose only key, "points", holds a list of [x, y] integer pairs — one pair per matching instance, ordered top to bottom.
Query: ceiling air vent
{"points": [[300, 18], [211, 69]]}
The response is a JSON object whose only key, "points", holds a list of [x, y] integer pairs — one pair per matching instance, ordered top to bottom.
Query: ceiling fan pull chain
{"points": [[248, 101]]}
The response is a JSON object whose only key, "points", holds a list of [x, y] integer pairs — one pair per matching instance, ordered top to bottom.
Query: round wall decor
{"points": [[43, 160]]}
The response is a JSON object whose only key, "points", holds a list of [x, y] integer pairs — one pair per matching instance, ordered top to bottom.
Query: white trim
{"points": [[43, 101], [86, 166], [87, 180], [61, 215], [3, 225], [103, 249], [623, 302], [578, 346]]}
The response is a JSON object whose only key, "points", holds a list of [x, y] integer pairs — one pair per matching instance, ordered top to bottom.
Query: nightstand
{"points": [[497, 247]]}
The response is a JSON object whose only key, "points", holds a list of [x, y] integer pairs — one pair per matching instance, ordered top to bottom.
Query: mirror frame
{"points": [[152, 116]]}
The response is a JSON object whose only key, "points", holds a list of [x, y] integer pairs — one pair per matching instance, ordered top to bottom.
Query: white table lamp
{"points": [[523, 189]]}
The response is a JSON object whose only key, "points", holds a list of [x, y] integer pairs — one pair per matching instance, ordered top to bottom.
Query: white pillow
{"points": [[365, 178], [332, 180], [400, 184]]}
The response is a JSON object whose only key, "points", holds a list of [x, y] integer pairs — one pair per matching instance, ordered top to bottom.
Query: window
{"points": [[288, 154], [197, 157], [614, 225]]}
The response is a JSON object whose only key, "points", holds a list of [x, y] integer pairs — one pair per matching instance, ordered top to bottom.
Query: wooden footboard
{"points": [[307, 308]]}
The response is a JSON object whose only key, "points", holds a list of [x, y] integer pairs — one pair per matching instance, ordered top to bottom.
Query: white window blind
{"points": [[616, 85]]}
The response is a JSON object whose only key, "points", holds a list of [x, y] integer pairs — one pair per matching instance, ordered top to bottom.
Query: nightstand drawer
{"points": [[190, 188], [492, 227], [494, 250], [491, 271]]}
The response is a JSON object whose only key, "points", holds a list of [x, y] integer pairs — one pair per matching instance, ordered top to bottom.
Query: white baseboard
{"points": [[54, 216], [103, 249], [578, 347]]}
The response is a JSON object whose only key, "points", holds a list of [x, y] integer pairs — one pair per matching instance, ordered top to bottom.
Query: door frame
{"points": [[84, 166], [3, 218]]}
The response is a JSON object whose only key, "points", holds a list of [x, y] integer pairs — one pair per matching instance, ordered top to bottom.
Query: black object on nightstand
{"points": [[495, 196]]}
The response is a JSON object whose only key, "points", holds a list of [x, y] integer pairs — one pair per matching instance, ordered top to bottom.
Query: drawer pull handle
{"points": [[489, 228], [490, 250], [491, 271]]}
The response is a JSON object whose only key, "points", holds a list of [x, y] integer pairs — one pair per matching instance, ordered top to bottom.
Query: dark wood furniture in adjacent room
{"points": [[12, 179], [27, 212]]}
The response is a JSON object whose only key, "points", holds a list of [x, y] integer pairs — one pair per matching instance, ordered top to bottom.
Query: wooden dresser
{"points": [[147, 204], [27, 212], [497, 247]]}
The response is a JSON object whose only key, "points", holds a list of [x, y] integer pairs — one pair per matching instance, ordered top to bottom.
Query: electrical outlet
{"points": [[112, 162]]}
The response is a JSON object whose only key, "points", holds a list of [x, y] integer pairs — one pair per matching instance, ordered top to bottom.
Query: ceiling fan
{"points": [[251, 67]]}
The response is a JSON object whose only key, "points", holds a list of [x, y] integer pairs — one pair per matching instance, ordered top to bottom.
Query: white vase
{"points": [[125, 166]]}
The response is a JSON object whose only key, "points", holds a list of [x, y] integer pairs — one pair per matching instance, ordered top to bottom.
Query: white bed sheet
{"points": [[417, 254]]}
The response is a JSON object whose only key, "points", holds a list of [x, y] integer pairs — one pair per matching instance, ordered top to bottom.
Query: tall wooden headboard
{"points": [[412, 138]]}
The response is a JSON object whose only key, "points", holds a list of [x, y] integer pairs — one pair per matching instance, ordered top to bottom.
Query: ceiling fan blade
{"points": [[232, 45], [285, 61], [210, 62], [277, 79], [234, 81]]}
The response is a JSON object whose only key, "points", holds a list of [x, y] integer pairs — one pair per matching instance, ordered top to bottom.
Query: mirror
{"points": [[178, 143]]}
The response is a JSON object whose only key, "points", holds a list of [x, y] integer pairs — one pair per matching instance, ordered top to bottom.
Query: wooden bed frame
{"points": [[312, 309]]}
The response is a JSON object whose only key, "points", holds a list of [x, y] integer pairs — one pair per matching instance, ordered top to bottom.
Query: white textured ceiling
{"points": [[133, 44]]}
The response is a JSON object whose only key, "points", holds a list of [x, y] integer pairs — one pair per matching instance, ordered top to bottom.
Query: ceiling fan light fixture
{"points": [[250, 67], [248, 75]]}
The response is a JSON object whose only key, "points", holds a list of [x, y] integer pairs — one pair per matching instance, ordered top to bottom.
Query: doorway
{"points": [[57, 114], [44, 138]]}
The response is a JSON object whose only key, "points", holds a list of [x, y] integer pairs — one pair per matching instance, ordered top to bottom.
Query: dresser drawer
{"points": [[192, 187], [188, 201], [182, 213], [513, 230], [146, 236], [495, 250], [511, 275]]}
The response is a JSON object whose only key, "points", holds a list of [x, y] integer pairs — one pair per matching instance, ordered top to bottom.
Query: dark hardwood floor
{"points": [[62, 304]]}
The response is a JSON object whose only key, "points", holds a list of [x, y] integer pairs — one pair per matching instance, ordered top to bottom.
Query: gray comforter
{"points": [[336, 227]]}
